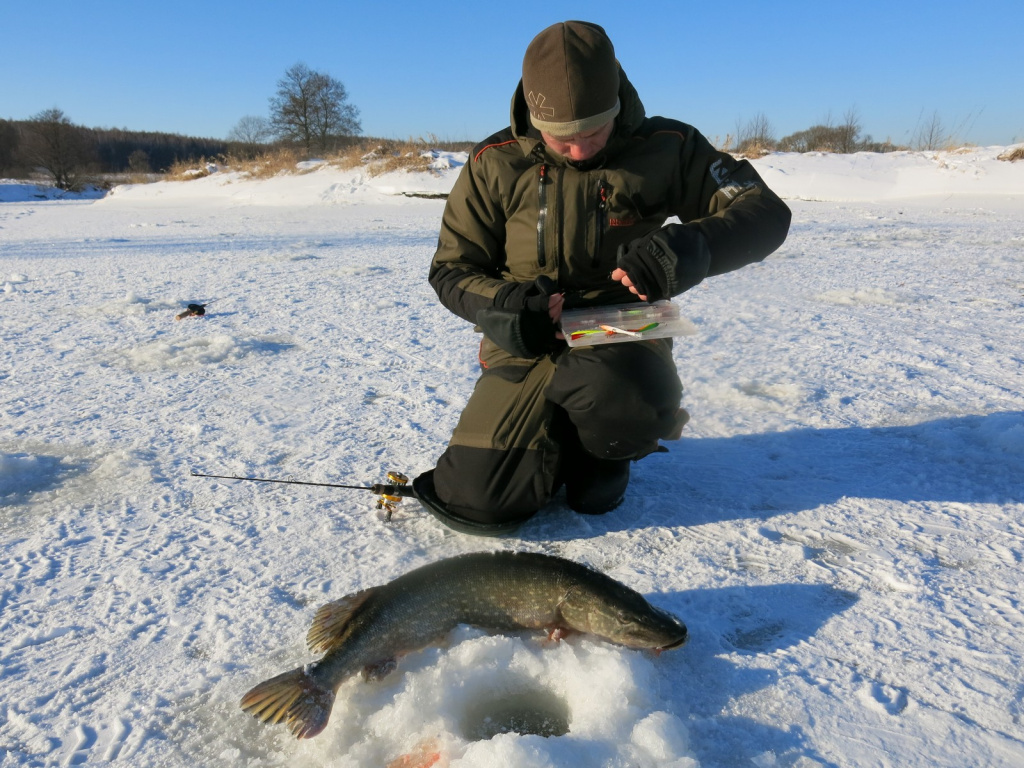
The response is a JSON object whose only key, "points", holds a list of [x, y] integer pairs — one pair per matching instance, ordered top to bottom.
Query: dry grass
{"points": [[723, 145], [752, 150], [1013, 155], [376, 156], [379, 156], [396, 157], [267, 164], [262, 166], [189, 170]]}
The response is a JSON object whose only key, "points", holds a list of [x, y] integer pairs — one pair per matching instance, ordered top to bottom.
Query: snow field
{"points": [[840, 528]]}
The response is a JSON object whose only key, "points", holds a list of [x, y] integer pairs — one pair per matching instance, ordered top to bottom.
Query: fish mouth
{"points": [[675, 644]]}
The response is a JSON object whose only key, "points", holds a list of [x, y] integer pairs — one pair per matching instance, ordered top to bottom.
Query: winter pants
{"points": [[503, 462]]}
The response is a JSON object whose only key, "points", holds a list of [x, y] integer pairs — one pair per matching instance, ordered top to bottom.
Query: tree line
{"points": [[310, 111], [843, 135], [70, 154]]}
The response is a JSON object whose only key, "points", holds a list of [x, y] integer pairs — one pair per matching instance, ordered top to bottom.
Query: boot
{"points": [[594, 486]]}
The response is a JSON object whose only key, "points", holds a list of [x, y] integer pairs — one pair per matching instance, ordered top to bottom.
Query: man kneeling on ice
{"points": [[566, 208]]}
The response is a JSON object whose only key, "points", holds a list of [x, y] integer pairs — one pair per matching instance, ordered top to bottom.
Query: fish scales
{"points": [[498, 592]]}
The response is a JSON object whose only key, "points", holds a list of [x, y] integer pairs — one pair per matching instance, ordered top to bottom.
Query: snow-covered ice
{"points": [[840, 528]]}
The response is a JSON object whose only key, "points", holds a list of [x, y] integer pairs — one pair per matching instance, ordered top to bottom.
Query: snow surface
{"points": [[841, 527]]}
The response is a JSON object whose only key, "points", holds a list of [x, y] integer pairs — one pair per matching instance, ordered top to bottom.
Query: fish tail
{"points": [[294, 698]]}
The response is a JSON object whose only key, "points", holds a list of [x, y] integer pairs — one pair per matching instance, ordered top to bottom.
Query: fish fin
{"points": [[331, 621], [380, 669], [293, 698]]}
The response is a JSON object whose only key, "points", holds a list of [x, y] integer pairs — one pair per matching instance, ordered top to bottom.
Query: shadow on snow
{"points": [[966, 459]]}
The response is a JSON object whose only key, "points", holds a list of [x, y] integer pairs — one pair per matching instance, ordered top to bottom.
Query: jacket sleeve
{"points": [[741, 219], [466, 272]]}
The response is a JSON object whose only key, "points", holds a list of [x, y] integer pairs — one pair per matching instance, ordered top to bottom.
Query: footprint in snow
{"points": [[889, 699]]}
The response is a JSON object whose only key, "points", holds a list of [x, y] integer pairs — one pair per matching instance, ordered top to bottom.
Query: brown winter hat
{"points": [[571, 78]]}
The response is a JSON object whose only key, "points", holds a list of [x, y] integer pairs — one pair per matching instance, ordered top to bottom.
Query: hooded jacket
{"points": [[518, 210]]}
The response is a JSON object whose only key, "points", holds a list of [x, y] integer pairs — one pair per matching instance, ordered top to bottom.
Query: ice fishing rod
{"points": [[388, 494]]}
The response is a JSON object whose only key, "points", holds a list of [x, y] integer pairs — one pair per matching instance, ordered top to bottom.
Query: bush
{"points": [[817, 138]]}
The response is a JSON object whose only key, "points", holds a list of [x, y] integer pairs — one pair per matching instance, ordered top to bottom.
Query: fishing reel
{"points": [[193, 310], [392, 494]]}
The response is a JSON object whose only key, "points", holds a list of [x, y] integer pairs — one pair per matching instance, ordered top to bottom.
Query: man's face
{"points": [[580, 146]]}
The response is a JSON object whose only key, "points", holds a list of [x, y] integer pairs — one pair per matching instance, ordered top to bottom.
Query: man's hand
{"points": [[663, 263], [619, 275], [539, 297], [555, 302], [524, 320]]}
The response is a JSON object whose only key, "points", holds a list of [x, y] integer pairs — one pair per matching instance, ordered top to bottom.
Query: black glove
{"points": [[666, 262], [532, 296], [519, 322]]}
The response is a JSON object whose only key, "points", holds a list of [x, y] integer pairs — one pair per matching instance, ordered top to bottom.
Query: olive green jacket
{"points": [[519, 210]]}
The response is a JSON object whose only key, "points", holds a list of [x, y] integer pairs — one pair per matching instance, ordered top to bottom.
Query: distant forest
{"points": [[101, 150]]}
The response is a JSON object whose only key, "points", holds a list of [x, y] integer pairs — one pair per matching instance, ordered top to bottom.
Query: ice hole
{"points": [[22, 474], [537, 712]]}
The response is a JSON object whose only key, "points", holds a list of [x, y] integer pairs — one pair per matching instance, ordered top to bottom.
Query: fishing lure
{"points": [[611, 330]]}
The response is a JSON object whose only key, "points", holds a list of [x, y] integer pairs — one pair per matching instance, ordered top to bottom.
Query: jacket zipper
{"points": [[542, 214], [602, 215]]}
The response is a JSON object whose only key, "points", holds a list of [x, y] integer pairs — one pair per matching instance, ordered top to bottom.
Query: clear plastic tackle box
{"points": [[617, 323]]}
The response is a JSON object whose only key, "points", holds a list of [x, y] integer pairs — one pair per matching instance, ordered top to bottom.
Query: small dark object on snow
{"points": [[193, 310]]}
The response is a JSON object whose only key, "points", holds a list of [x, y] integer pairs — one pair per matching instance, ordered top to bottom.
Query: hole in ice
{"points": [[23, 474], [757, 639], [536, 712]]}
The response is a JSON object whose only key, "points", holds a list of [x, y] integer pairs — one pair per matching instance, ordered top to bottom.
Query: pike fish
{"points": [[495, 591]]}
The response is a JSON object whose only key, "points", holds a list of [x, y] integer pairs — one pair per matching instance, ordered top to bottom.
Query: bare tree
{"points": [[312, 109], [848, 131], [252, 132], [932, 134], [756, 135], [54, 144]]}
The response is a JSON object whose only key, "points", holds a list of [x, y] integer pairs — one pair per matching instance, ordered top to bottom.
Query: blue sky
{"points": [[449, 69]]}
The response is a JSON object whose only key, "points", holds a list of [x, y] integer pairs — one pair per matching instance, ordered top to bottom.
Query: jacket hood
{"points": [[631, 115]]}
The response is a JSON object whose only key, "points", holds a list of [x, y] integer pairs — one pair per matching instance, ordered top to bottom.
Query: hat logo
{"points": [[535, 101]]}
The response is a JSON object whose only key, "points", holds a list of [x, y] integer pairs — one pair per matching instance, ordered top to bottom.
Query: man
{"points": [[566, 208]]}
